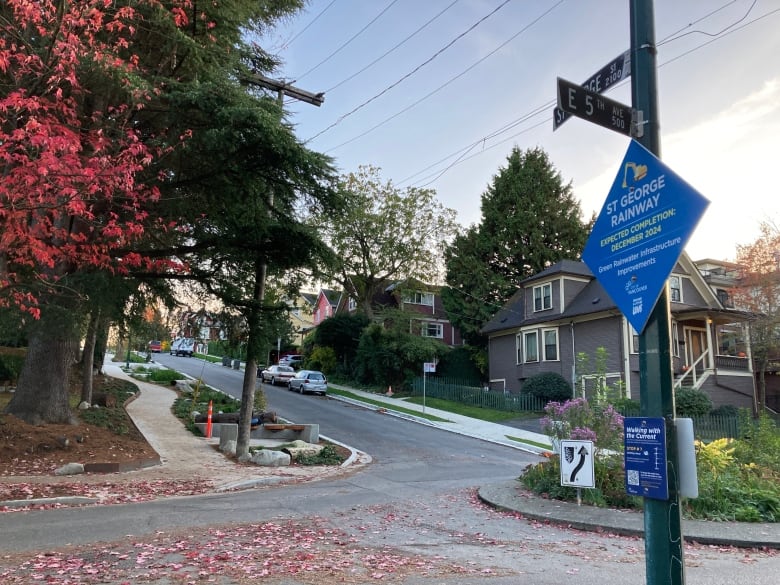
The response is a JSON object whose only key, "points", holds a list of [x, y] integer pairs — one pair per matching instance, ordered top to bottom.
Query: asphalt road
{"points": [[416, 498]]}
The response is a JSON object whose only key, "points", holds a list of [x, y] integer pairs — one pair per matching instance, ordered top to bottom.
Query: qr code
{"points": [[632, 477]]}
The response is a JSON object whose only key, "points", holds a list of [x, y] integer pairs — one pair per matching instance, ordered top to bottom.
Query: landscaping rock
{"points": [[228, 447], [301, 448], [270, 458], [70, 469]]}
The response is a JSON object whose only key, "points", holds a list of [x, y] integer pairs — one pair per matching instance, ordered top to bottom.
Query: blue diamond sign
{"points": [[642, 229]]}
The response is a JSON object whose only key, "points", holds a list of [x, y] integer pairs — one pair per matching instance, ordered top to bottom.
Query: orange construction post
{"points": [[208, 421]]}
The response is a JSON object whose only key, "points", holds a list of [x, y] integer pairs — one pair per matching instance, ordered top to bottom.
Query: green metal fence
{"points": [[473, 395], [705, 428]]}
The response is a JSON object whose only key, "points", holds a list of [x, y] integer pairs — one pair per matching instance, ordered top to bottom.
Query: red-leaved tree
{"points": [[71, 156], [759, 292]]}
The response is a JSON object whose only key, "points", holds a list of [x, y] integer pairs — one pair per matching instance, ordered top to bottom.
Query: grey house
{"points": [[563, 311]]}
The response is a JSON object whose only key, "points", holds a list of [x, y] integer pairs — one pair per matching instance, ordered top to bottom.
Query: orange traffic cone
{"points": [[208, 421]]}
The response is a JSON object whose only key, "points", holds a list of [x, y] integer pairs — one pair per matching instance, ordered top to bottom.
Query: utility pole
{"points": [[254, 318], [662, 518]]}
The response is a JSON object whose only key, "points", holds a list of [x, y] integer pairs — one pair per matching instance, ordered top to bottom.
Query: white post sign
{"points": [[577, 464]]}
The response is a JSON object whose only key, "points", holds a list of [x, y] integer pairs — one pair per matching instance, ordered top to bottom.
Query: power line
{"points": [[305, 28], [724, 33], [356, 35], [386, 53], [412, 72], [442, 86]]}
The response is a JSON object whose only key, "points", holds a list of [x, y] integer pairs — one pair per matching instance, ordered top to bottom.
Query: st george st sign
{"points": [[613, 72], [642, 229]]}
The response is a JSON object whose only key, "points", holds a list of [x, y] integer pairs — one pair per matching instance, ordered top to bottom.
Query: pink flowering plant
{"points": [[579, 420]]}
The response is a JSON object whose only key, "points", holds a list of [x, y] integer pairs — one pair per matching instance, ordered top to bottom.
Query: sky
{"points": [[436, 93]]}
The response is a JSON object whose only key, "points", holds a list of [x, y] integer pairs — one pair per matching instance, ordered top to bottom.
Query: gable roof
{"points": [[572, 267], [593, 298]]}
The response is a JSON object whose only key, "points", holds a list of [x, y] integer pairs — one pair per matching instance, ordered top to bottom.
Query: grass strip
{"points": [[385, 405], [529, 442]]}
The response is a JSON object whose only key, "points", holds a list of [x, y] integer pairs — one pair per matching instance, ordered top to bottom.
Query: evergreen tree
{"points": [[530, 220]]}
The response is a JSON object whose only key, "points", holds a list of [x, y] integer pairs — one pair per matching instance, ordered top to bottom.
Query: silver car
{"points": [[277, 374], [309, 381]]}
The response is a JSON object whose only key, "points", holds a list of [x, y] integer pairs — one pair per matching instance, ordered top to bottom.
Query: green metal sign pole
{"points": [[662, 518]]}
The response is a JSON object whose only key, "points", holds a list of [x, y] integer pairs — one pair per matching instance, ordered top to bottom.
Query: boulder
{"points": [[228, 447], [301, 448], [270, 458], [70, 469]]}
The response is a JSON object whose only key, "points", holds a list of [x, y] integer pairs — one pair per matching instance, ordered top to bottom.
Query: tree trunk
{"points": [[101, 342], [88, 357], [250, 371], [42, 391]]}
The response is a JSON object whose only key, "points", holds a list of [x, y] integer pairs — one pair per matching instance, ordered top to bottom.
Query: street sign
{"points": [[613, 72], [596, 108], [642, 229], [429, 367], [645, 457], [577, 464]]}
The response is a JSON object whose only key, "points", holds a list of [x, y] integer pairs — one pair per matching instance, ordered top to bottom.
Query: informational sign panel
{"points": [[613, 72], [642, 229], [429, 367], [645, 457], [577, 468]]}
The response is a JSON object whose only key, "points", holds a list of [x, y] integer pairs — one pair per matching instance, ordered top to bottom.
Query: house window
{"points": [[675, 289], [543, 297], [419, 298], [351, 304], [317, 315], [431, 329], [550, 337], [634, 339], [675, 340], [531, 346]]}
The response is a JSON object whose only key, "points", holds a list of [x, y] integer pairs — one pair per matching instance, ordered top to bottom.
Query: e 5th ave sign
{"points": [[613, 72], [589, 105], [642, 229]]}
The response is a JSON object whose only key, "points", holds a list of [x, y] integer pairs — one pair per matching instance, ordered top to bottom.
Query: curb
{"points": [[624, 522]]}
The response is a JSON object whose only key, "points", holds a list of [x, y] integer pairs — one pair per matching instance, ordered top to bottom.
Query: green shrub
{"points": [[322, 359], [11, 362], [164, 376], [548, 386], [691, 402], [627, 406], [725, 410], [328, 455], [609, 491]]}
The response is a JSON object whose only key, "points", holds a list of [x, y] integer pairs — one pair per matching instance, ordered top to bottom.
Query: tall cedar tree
{"points": [[530, 220], [385, 234], [759, 292]]}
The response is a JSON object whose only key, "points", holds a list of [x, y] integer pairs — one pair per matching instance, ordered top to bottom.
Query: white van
{"points": [[183, 346]]}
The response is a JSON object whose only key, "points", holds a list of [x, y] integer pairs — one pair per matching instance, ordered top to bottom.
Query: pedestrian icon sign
{"points": [[642, 229], [577, 468]]}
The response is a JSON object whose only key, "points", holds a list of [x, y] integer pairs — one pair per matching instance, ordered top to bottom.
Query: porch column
{"points": [[712, 347]]}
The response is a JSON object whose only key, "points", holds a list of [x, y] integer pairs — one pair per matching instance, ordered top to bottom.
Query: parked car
{"points": [[155, 346], [183, 346], [293, 360], [277, 374], [309, 381]]}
